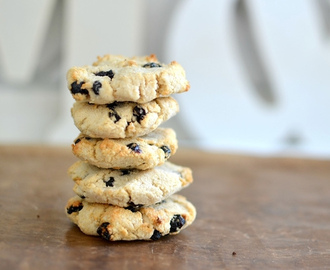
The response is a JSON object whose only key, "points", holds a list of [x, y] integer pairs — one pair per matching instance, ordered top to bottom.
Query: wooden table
{"points": [[253, 213]]}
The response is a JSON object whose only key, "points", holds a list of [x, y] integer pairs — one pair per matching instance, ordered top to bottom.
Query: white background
{"points": [[259, 70]]}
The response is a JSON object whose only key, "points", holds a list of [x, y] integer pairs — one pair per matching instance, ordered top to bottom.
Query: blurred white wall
{"points": [[259, 70]]}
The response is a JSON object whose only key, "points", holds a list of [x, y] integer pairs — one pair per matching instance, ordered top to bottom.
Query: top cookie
{"points": [[117, 78]]}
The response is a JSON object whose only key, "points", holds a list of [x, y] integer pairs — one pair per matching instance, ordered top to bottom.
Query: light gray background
{"points": [[258, 69]]}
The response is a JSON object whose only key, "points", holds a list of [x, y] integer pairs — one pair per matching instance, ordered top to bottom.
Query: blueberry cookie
{"points": [[117, 78], [122, 119], [141, 153], [128, 188], [115, 223]]}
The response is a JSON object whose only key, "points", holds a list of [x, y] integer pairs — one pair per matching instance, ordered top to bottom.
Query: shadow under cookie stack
{"points": [[126, 189]]}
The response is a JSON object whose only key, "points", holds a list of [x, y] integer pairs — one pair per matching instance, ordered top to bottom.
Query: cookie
{"points": [[117, 78], [122, 119], [141, 153], [128, 188], [115, 223]]}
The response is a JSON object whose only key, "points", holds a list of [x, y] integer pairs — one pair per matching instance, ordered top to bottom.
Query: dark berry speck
{"points": [[151, 65], [108, 73], [96, 87], [76, 88], [112, 105], [139, 113], [113, 115], [77, 141], [135, 147], [166, 150], [125, 172], [110, 181], [163, 201], [134, 207], [74, 208], [176, 223], [103, 231], [156, 235]]}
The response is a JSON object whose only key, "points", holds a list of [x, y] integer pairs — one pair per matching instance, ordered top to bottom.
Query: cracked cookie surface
{"points": [[118, 78], [122, 119], [141, 153], [128, 188], [115, 223]]}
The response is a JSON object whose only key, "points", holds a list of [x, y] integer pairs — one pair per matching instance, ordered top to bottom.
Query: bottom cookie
{"points": [[115, 223]]}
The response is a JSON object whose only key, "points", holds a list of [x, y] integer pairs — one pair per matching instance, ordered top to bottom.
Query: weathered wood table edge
{"points": [[253, 212]]}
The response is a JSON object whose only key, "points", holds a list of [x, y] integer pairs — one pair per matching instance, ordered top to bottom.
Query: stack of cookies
{"points": [[124, 184]]}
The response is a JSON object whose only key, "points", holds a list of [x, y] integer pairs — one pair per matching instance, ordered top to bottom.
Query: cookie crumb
{"points": [[234, 253]]}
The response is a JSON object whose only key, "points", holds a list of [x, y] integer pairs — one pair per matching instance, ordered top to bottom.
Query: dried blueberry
{"points": [[151, 65], [108, 73], [96, 87], [76, 88], [112, 105], [139, 113], [113, 115], [77, 141], [135, 147], [166, 150], [125, 172], [110, 181], [134, 207], [74, 208], [176, 223], [103, 231], [156, 235]]}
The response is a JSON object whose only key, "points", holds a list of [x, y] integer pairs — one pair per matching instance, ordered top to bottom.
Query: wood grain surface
{"points": [[253, 213]]}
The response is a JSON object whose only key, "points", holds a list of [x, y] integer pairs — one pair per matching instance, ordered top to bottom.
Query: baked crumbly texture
{"points": [[117, 78], [122, 119], [140, 153], [128, 188], [115, 223]]}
